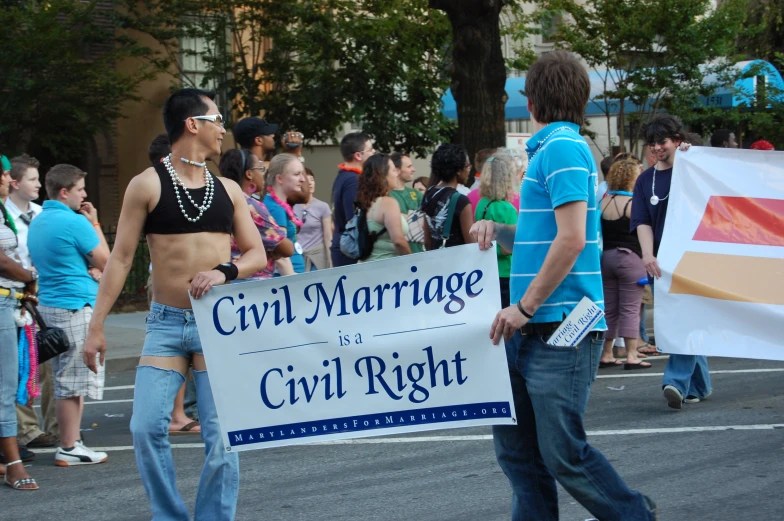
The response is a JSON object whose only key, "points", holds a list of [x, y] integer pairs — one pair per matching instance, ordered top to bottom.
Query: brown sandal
{"points": [[187, 429]]}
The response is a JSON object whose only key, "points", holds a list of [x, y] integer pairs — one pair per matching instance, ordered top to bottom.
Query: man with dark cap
{"points": [[258, 136]]}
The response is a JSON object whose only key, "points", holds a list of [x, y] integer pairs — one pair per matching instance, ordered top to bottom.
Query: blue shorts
{"points": [[171, 332]]}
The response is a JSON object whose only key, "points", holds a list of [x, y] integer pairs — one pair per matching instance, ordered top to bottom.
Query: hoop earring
{"points": [[252, 187]]}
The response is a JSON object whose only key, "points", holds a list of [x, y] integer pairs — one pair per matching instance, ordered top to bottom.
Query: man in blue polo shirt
{"points": [[64, 241], [555, 263]]}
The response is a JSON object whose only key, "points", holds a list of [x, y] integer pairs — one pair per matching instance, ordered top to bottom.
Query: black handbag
{"points": [[52, 341]]}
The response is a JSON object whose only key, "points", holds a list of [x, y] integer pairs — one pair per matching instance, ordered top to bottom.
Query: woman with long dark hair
{"points": [[449, 166], [245, 169], [384, 219]]}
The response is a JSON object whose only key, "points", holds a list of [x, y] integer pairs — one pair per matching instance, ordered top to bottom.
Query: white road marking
{"points": [[721, 371], [119, 388], [481, 437]]}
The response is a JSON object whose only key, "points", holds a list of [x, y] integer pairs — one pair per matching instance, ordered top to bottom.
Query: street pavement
{"points": [[719, 460]]}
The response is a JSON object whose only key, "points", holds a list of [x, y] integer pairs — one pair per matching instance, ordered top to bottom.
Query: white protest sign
{"points": [[722, 256], [399, 345]]}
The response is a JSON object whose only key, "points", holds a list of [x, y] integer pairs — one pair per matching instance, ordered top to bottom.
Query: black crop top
{"points": [[167, 219]]}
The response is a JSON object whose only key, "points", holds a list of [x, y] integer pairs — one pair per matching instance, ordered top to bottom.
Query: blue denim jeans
{"points": [[172, 332], [9, 368], [689, 374], [551, 386]]}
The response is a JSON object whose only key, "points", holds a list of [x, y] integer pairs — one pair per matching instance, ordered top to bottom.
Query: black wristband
{"points": [[229, 269], [523, 311]]}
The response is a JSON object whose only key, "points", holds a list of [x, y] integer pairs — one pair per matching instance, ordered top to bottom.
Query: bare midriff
{"points": [[178, 258]]}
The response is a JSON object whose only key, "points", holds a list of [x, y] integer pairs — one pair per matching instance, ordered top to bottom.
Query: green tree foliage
{"points": [[763, 37], [653, 54], [315, 66], [59, 86]]}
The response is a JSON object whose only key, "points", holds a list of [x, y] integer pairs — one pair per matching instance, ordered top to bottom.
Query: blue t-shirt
{"points": [[562, 172], [643, 212], [280, 216], [59, 241]]}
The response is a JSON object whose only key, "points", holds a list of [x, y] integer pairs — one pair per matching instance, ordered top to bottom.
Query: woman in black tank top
{"points": [[622, 266]]}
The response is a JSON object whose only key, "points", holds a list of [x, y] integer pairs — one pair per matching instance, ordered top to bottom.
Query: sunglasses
{"points": [[215, 118]]}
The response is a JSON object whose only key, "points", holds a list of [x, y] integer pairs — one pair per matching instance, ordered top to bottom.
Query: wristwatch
{"points": [[34, 275]]}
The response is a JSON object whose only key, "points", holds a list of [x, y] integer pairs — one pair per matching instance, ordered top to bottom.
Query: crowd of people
{"points": [[557, 239]]}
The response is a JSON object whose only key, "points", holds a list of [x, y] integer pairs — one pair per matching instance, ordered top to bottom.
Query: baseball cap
{"points": [[246, 130], [762, 145], [5, 162]]}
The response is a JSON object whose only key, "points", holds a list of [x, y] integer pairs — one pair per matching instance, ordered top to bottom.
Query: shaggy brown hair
{"points": [[558, 87], [623, 174], [373, 181]]}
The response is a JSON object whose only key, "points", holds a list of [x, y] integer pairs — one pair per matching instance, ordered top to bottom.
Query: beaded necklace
{"points": [[540, 147], [194, 163], [177, 182], [285, 206]]}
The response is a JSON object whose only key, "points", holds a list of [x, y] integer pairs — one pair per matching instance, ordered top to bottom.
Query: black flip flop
{"points": [[605, 365], [635, 367]]}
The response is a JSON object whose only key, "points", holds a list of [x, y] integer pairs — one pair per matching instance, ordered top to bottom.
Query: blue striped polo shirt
{"points": [[563, 171]]}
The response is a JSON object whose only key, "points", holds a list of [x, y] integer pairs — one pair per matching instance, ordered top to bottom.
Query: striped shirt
{"points": [[562, 172]]}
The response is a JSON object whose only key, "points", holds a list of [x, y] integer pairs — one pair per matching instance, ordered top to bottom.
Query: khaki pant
{"points": [[27, 420]]}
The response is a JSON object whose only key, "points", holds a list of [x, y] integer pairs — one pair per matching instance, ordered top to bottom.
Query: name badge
{"points": [[298, 248]]}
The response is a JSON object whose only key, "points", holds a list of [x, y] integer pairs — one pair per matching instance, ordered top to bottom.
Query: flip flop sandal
{"points": [[648, 349], [614, 363], [635, 367], [187, 429], [19, 483]]}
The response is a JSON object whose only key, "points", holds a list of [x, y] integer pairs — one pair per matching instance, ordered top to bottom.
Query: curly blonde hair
{"points": [[623, 174], [498, 177]]}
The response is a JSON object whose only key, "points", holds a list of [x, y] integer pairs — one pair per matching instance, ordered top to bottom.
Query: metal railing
{"points": [[135, 289]]}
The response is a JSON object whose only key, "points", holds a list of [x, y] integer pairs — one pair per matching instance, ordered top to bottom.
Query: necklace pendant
{"points": [[654, 200]]}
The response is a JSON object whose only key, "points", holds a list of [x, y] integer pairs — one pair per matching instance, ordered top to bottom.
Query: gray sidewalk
{"points": [[124, 340]]}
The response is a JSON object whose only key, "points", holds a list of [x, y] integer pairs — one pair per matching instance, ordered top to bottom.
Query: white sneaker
{"points": [[673, 396], [79, 455]]}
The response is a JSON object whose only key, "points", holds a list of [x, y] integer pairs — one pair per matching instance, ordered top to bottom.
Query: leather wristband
{"points": [[229, 269], [523, 311]]}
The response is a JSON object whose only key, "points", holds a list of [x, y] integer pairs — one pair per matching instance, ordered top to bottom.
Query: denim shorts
{"points": [[171, 332]]}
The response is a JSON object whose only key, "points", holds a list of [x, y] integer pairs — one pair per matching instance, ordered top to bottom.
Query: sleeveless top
{"points": [[167, 219], [617, 234], [383, 248]]}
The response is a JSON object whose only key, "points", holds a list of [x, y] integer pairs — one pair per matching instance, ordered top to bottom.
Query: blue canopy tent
{"points": [[517, 104]]}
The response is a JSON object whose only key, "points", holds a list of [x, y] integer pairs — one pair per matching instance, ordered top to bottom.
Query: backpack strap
{"points": [[485, 211], [450, 215]]}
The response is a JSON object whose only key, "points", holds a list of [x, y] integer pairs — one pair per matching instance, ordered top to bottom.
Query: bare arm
{"points": [[391, 216], [466, 222], [326, 226], [129, 229], [485, 232], [645, 235], [247, 236], [568, 244], [282, 250], [100, 255], [284, 266], [11, 269]]}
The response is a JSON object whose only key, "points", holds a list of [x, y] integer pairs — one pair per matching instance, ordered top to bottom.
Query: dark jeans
{"points": [[338, 259], [551, 386]]}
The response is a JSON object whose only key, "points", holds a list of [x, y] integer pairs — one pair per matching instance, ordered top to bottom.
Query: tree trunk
{"points": [[478, 72]]}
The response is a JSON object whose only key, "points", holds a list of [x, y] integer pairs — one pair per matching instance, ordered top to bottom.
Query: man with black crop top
{"points": [[188, 216], [686, 377]]}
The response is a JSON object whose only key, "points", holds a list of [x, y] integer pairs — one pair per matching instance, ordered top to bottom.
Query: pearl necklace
{"points": [[540, 147], [177, 182]]}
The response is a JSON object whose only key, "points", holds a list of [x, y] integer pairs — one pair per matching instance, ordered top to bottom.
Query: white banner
{"points": [[722, 256], [393, 346]]}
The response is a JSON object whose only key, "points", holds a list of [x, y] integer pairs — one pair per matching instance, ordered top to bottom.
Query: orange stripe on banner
{"points": [[743, 220], [730, 277]]}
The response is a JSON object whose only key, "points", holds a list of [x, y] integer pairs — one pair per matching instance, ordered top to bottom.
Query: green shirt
{"points": [[409, 201], [501, 212]]}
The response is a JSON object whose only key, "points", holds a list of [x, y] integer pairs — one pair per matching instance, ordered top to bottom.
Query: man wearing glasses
{"points": [[355, 148], [188, 216]]}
